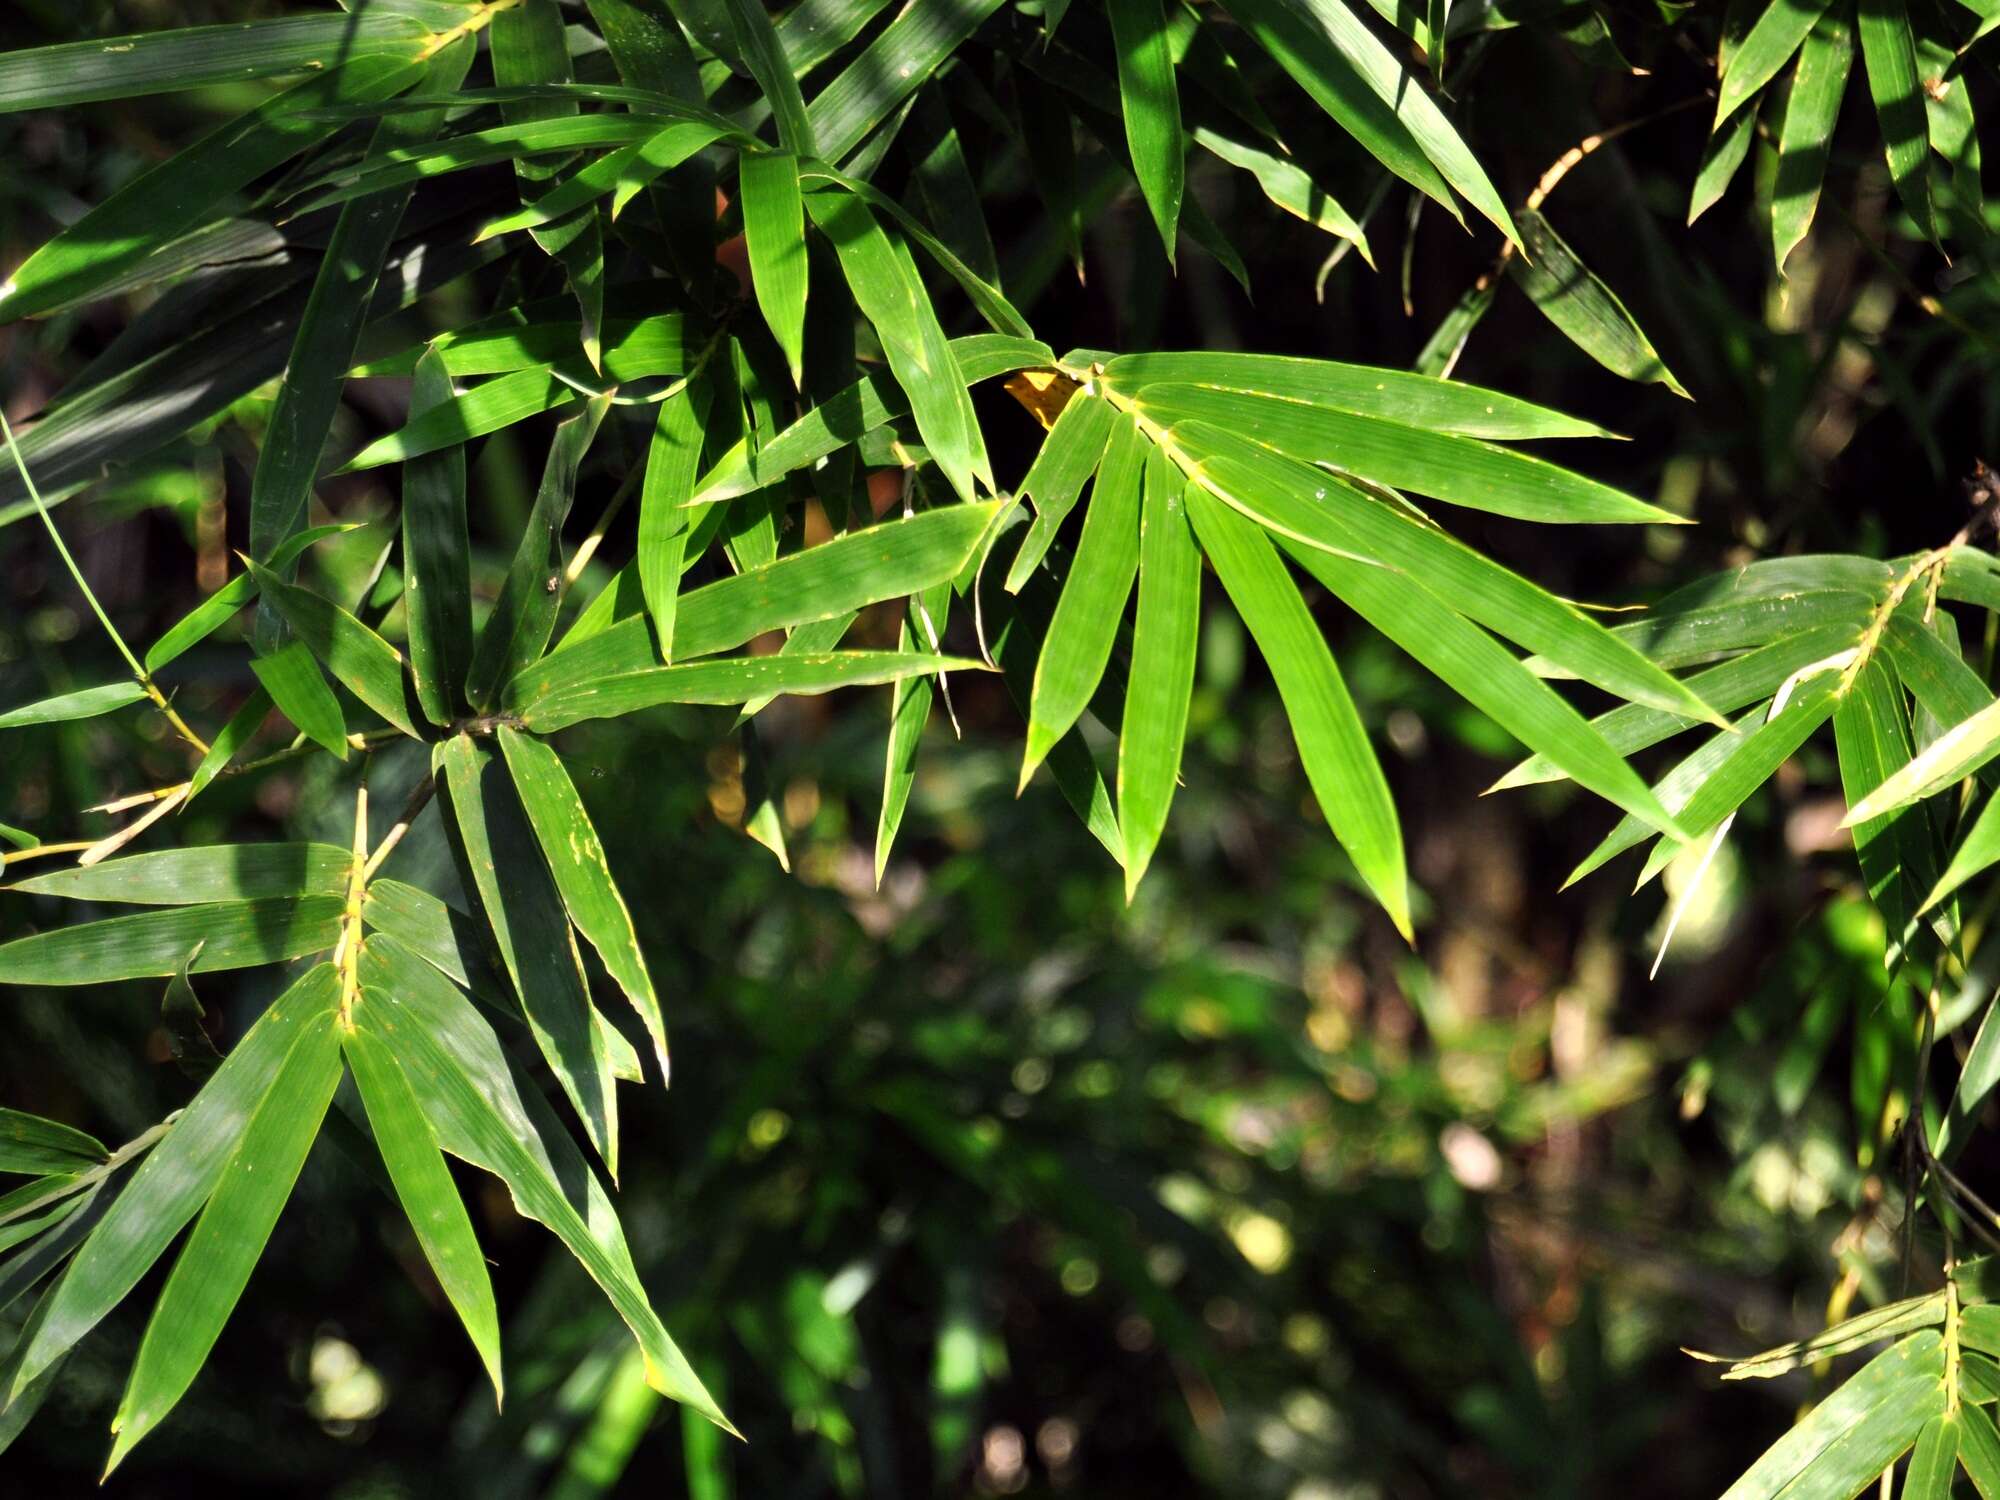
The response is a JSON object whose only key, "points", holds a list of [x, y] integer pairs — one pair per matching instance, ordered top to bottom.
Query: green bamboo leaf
{"points": [[1299, 44], [1764, 51], [764, 55], [1889, 55], [193, 57], [894, 64], [1151, 103], [1812, 107], [1048, 137], [527, 142], [1721, 159], [618, 175], [1288, 186], [950, 189], [184, 191], [775, 234], [1571, 296], [892, 298], [323, 346], [634, 348], [1414, 401], [475, 413], [851, 415], [1069, 455], [671, 465], [1463, 471], [1311, 506], [436, 559], [889, 560], [220, 607], [1087, 616], [523, 618], [817, 637], [1163, 656], [360, 660], [1486, 675], [292, 678], [734, 681], [1726, 687], [84, 703], [909, 711], [229, 741], [1333, 746], [1950, 758], [1712, 783], [1977, 852], [576, 857], [1898, 860], [216, 872], [525, 912], [151, 945], [181, 1019], [482, 1111], [33, 1145], [176, 1177], [424, 1187], [215, 1264], [1887, 1322], [1904, 1381], [1979, 1451], [1934, 1461]]}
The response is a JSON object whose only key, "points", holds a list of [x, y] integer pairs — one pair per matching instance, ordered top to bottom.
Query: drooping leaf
{"points": [[757, 43], [1764, 51], [1889, 57], [894, 64], [1818, 82], [1150, 99], [774, 232], [1571, 296], [1069, 455], [671, 464], [436, 559], [209, 616], [359, 659], [291, 677], [84, 703], [1333, 746], [1951, 757], [216, 872], [524, 909], [151, 945], [31, 1144], [251, 1187], [424, 1187], [1934, 1460]]}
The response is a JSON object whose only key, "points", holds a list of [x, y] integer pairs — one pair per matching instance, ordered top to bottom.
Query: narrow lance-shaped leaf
{"points": [[764, 54], [1760, 56], [1889, 56], [897, 61], [1818, 82], [1151, 102], [1721, 159], [774, 233], [1571, 296], [323, 347], [484, 409], [1069, 455], [671, 464], [436, 558], [209, 616], [524, 616], [1086, 618], [1163, 657], [363, 663], [292, 678], [910, 701], [84, 703], [1872, 733], [1333, 746], [1951, 757], [576, 857], [214, 872], [525, 912], [151, 945], [482, 1111], [31, 1144], [174, 1180], [424, 1187], [215, 1264], [1934, 1460]]}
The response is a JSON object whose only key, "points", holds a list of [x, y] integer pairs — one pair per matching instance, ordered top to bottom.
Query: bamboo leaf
{"points": [[1764, 51], [764, 55], [1889, 55], [894, 64], [1151, 103], [1806, 138], [1721, 159], [618, 174], [774, 232], [1571, 296], [475, 413], [1069, 455], [671, 465], [1463, 471], [436, 553], [209, 616], [524, 616], [1087, 616], [1166, 627], [360, 660], [291, 677], [734, 681], [64, 708], [909, 710], [1872, 733], [229, 741], [1333, 747], [1950, 758], [576, 858], [216, 872], [525, 912], [151, 945], [482, 1111], [31, 1144], [174, 1180], [425, 1189], [215, 1264], [1844, 1337], [1979, 1451], [1934, 1461]]}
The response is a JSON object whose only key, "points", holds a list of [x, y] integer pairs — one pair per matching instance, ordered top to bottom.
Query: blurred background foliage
{"points": [[980, 1182]]}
